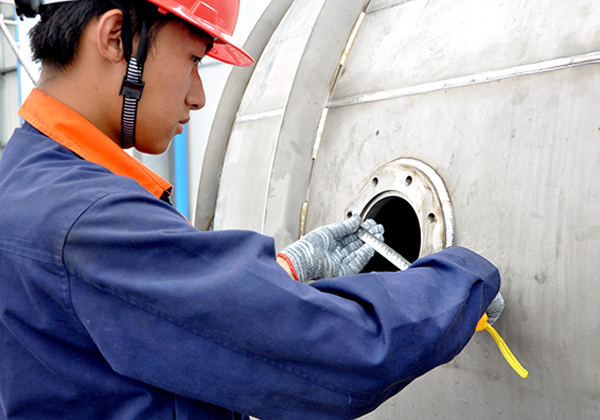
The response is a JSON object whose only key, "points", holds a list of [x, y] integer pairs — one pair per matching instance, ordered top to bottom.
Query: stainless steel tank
{"points": [[451, 121]]}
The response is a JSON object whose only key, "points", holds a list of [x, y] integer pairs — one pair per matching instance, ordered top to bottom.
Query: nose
{"points": [[196, 98]]}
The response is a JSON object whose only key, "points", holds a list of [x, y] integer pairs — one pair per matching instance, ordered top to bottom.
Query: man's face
{"points": [[173, 87]]}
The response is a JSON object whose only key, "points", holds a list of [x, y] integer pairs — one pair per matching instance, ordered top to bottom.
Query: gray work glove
{"points": [[331, 251], [495, 309]]}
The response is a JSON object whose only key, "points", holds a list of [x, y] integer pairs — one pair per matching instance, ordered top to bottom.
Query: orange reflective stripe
{"points": [[67, 127]]}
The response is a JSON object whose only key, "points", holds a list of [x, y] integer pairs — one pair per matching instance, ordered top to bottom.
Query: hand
{"points": [[331, 251], [495, 309]]}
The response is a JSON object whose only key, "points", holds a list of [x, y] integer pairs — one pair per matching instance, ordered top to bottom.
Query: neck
{"points": [[85, 91]]}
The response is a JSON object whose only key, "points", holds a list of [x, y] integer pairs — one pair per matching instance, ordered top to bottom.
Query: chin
{"points": [[155, 147]]}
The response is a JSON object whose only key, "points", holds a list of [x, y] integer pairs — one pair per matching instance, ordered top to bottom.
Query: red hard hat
{"points": [[215, 17]]}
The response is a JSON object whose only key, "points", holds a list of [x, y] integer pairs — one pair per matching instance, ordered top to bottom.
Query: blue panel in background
{"points": [[181, 173]]}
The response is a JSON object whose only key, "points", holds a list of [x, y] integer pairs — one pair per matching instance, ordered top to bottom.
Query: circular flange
{"points": [[418, 184]]}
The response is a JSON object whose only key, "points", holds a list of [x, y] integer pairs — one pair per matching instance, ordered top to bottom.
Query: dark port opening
{"points": [[402, 231]]}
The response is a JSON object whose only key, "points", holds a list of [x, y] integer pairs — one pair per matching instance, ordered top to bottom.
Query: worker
{"points": [[113, 306]]}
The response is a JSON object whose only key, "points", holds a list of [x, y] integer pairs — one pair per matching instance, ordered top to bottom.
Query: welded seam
{"points": [[471, 80], [325, 111], [276, 113], [319, 136]]}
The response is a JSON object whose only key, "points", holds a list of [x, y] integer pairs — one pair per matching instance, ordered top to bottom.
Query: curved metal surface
{"points": [[292, 82], [310, 93], [499, 98], [228, 107], [254, 135]]}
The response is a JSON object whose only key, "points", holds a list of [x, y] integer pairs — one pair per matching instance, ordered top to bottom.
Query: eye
{"points": [[197, 61]]}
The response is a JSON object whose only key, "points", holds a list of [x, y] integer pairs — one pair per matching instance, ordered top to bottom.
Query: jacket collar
{"points": [[64, 125]]}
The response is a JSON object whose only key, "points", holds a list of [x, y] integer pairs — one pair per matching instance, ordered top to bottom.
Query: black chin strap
{"points": [[132, 86], [131, 89]]}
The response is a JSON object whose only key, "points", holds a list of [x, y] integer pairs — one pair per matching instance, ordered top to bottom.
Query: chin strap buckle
{"points": [[131, 89]]}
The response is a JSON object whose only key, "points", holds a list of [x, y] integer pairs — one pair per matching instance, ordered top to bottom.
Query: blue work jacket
{"points": [[112, 306]]}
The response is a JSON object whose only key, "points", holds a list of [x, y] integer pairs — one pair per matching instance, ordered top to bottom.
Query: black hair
{"points": [[54, 39]]}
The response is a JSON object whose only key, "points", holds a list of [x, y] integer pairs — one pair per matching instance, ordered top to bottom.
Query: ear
{"points": [[109, 39]]}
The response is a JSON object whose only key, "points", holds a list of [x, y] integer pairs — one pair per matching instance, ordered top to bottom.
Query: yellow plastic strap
{"points": [[512, 361]]}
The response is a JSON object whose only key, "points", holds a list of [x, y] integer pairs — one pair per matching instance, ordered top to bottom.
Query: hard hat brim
{"points": [[224, 49]]}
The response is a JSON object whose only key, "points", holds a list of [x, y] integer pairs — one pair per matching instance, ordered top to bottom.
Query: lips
{"points": [[181, 123]]}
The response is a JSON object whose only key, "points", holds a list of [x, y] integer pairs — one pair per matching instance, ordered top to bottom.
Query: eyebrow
{"points": [[201, 35]]}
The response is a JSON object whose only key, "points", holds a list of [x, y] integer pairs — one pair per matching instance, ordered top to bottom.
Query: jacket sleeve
{"points": [[212, 316]]}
